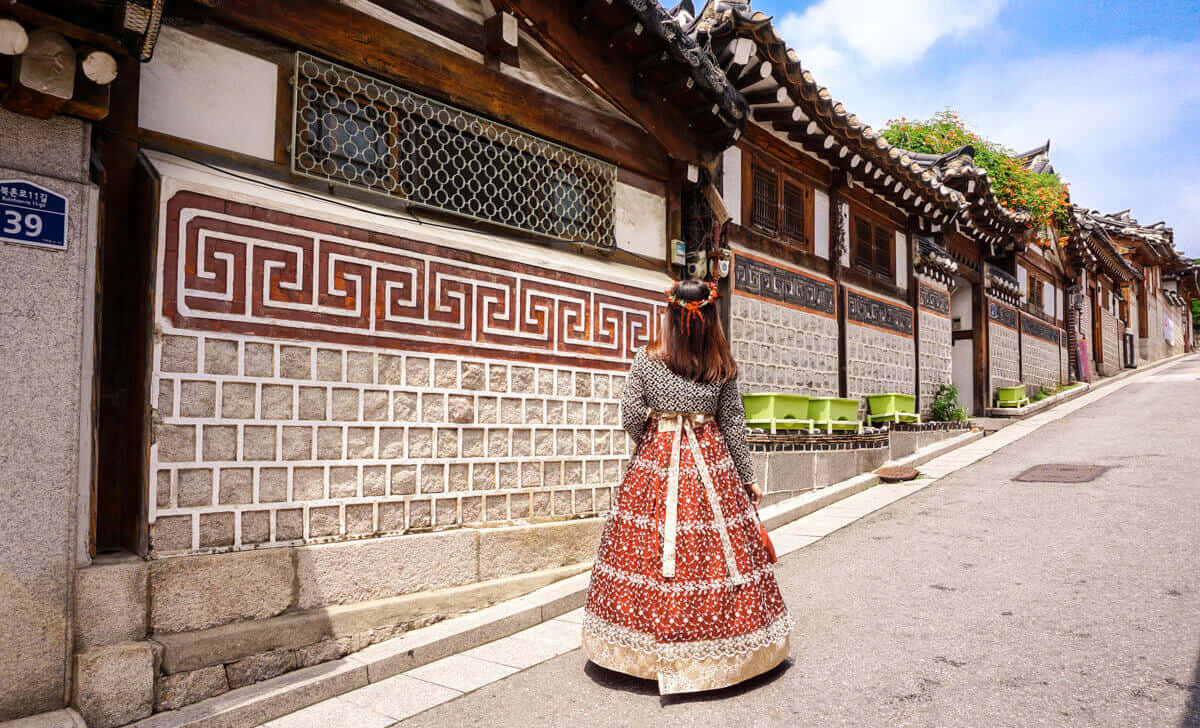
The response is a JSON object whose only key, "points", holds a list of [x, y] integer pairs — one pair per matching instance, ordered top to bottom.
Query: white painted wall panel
{"points": [[203, 91], [732, 183], [641, 221], [821, 224], [902, 256], [1023, 282]]}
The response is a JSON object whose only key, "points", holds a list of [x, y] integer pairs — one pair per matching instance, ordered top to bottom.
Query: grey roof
{"points": [[784, 95], [1038, 159]]}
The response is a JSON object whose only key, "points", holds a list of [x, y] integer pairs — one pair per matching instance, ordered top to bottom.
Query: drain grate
{"points": [[1057, 473]]}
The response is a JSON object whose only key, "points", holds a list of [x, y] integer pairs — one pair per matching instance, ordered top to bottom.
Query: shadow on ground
{"points": [[1191, 713]]}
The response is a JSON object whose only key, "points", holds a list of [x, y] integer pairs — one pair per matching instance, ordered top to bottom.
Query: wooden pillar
{"points": [[836, 236], [914, 300], [122, 329], [983, 367]]}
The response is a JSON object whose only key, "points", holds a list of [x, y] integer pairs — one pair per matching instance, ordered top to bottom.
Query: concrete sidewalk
{"points": [[394, 699]]}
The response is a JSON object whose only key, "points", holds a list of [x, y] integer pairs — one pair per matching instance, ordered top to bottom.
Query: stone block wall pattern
{"points": [[783, 331], [934, 343], [1111, 343], [879, 346], [783, 349], [1002, 354], [878, 361], [1040, 363], [317, 383]]}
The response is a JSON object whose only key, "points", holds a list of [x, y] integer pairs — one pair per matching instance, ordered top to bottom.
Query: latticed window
{"points": [[359, 131], [794, 205], [764, 211], [872, 244], [883, 251], [864, 254], [1036, 294]]}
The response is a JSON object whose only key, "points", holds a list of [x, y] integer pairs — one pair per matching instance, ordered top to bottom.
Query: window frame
{"points": [[784, 214], [876, 225]]}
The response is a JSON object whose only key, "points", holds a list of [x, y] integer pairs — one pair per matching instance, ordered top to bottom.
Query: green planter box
{"points": [[1011, 396], [892, 406], [777, 410], [834, 413]]}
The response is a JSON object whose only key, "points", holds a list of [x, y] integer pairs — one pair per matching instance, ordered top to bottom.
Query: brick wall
{"points": [[782, 328], [1111, 343], [879, 345], [783, 349], [1002, 354], [878, 361], [936, 361], [1040, 363], [314, 382], [268, 443]]}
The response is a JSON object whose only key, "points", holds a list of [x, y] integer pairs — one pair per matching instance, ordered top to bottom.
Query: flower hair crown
{"points": [[692, 308]]}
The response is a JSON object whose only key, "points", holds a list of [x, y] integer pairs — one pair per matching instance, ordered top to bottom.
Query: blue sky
{"points": [[1115, 86]]}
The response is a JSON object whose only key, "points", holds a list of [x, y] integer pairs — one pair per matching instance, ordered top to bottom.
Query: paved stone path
{"points": [[977, 601]]}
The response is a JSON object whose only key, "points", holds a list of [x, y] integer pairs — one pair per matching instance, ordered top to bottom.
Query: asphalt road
{"points": [[977, 602]]}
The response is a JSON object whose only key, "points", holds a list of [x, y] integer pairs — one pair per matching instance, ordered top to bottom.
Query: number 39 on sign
{"points": [[32, 215]]}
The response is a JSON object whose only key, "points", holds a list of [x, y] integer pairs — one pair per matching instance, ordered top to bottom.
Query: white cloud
{"points": [[880, 32], [1121, 118]]}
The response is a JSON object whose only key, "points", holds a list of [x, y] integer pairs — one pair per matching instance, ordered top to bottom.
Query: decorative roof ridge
{"points": [[682, 46], [808, 114]]}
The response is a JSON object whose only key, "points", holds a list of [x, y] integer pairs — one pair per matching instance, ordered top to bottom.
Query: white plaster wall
{"points": [[199, 90], [732, 183], [640, 221], [821, 224], [902, 256], [1023, 281], [1048, 298], [960, 305], [963, 373]]}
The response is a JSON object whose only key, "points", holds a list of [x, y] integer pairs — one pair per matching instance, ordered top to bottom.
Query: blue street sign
{"points": [[32, 215]]}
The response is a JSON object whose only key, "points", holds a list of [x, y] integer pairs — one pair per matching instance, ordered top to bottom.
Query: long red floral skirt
{"points": [[719, 619]]}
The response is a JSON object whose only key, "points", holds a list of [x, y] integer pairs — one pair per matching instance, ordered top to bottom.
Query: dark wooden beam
{"points": [[59, 17], [440, 19], [348, 36], [500, 40], [586, 53], [777, 95], [788, 114]]}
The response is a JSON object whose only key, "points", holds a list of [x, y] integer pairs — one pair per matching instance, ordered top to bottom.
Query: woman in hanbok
{"points": [[682, 589]]}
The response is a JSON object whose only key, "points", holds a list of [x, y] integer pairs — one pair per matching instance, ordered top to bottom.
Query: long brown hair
{"points": [[692, 343]]}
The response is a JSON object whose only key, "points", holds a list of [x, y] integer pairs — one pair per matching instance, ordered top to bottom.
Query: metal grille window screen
{"points": [[362, 132]]}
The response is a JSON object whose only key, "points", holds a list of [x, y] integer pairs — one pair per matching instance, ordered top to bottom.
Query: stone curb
{"points": [[1017, 413], [68, 718]]}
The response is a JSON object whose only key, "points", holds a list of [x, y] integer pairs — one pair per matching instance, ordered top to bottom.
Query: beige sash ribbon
{"points": [[682, 424]]}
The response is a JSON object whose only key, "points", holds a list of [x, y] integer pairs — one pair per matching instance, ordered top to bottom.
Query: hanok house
{"points": [[1150, 250], [841, 276], [370, 277], [1103, 306]]}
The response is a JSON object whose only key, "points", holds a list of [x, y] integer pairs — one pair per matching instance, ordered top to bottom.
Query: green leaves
{"points": [[1043, 196], [945, 405]]}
